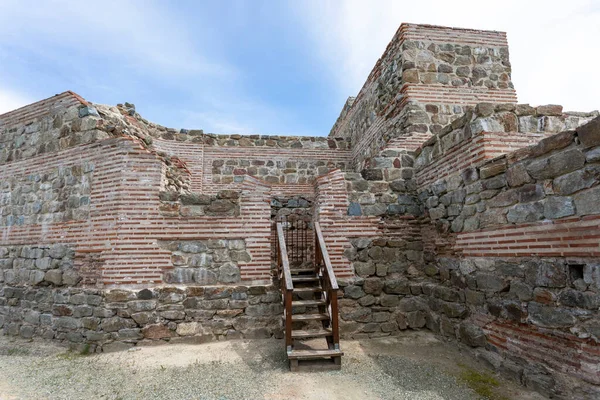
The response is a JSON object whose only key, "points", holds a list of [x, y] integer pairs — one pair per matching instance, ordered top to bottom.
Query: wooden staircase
{"points": [[310, 297]]}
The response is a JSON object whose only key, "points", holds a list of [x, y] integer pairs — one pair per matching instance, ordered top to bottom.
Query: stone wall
{"points": [[426, 76], [50, 125], [278, 171], [385, 188], [56, 195], [186, 204], [520, 260], [206, 262], [38, 265], [381, 300], [106, 320]]}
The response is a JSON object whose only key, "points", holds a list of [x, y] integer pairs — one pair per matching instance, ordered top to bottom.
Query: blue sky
{"points": [[271, 67]]}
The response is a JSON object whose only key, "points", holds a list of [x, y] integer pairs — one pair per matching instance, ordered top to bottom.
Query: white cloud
{"points": [[131, 32], [554, 45], [11, 100]]}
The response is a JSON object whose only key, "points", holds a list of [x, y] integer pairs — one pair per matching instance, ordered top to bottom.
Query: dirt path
{"points": [[414, 366]]}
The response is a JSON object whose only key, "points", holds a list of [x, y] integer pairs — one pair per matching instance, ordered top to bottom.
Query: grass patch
{"points": [[17, 351], [72, 355], [482, 383]]}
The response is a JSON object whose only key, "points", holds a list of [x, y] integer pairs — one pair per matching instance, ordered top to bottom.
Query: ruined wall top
{"points": [[427, 76]]}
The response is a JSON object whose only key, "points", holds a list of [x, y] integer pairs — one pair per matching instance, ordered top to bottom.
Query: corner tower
{"points": [[426, 77]]}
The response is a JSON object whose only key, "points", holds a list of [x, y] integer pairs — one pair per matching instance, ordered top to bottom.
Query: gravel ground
{"points": [[416, 366]]}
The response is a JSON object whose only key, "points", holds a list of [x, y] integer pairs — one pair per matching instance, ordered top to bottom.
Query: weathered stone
{"points": [[550, 109], [589, 134], [556, 165], [491, 170], [372, 174], [517, 175], [576, 180], [497, 182], [530, 192], [503, 199], [588, 201], [558, 207], [354, 209], [526, 213], [57, 251], [364, 269], [229, 273], [546, 274], [54, 276], [203, 276], [71, 278], [373, 286], [396, 286], [521, 290], [353, 292], [119, 295], [367, 300], [388, 300], [409, 304], [141, 305], [262, 310], [454, 310], [550, 317], [416, 319], [115, 324], [189, 328], [157, 331], [472, 335]]}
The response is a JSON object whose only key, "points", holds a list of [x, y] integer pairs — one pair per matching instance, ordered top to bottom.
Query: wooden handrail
{"points": [[325, 255], [283, 256], [329, 284], [287, 286]]}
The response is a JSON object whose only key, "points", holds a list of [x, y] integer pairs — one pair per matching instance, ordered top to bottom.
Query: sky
{"points": [[270, 66]]}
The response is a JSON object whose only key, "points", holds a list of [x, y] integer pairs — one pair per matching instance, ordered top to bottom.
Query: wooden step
{"points": [[302, 271], [305, 278], [307, 289], [298, 303], [309, 317], [302, 334], [312, 354]]}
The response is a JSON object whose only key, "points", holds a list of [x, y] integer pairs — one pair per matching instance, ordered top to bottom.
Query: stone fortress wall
{"points": [[445, 206]]}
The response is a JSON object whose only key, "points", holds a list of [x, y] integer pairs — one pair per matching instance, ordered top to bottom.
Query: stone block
{"points": [[550, 109], [589, 134], [556, 164], [491, 170], [372, 174], [517, 175], [576, 180], [503, 199], [588, 201], [558, 207], [354, 209], [522, 213], [365, 269], [229, 273], [546, 274], [54, 276], [373, 286], [397, 286], [521, 290], [353, 292], [409, 304], [550, 317], [416, 319], [157, 331], [472, 335]]}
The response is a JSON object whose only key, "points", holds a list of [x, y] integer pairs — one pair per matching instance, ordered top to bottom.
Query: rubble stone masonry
{"points": [[444, 204]]}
